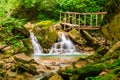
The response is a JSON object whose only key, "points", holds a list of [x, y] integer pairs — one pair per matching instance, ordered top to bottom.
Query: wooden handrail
{"points": [[75, 17]]}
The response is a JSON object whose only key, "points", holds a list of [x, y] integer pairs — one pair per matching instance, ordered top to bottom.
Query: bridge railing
{"points": [[82, 19]]}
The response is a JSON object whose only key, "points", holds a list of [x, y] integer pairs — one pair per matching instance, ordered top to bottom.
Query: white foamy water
{"points": [[36, 46], [63, 46]]}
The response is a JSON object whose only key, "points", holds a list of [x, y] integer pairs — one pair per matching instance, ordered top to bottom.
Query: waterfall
{"points": [[36, 46], [63, 46]]}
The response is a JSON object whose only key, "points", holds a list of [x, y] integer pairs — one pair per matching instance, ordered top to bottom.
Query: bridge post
{"points": [[65, 18], [84, 19], [90, 20], [96, 20], [79, 23]]}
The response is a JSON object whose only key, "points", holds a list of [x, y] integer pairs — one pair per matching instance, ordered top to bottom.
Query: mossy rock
{"points": [[112, 30], [45, 33], [76, 37], [56, 77]]}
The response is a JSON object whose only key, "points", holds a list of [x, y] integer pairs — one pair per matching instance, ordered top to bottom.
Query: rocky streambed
{"points": [[22, 67]]}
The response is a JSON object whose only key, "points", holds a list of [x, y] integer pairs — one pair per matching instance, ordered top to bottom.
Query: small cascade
{"points": [[36, 46], [63, 46]]}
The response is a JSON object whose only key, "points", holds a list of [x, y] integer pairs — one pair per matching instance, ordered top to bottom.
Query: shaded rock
{"points": [[21, 31], [76, 37], [28, 45], [22, 67], [56, 77]]}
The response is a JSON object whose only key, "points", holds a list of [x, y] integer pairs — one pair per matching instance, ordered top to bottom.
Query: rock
{"points": [[29, 26], [58, 26], [21, 31], [45, 33], [76, 37], [28, 45], [2, 46], [8, 50], [23, 58], [1, 64], [80, 64], [7, 66], [26, 68], [40, 68], [11, 74], [56, 77]]}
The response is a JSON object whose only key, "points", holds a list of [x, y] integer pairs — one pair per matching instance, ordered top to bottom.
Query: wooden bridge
{"points": [[81, 21]]}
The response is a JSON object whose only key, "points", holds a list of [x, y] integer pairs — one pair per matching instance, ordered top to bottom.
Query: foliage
{"points": [[39, 9]]}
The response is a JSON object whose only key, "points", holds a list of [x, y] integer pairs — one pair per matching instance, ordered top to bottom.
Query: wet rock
{"points": [[45, 33], [76, 37], [56, 77]]}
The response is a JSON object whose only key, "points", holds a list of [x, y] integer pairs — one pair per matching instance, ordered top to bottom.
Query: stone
{"points": [[45, 33], [76, 37], [2, 46], [8, 50], [22, 57], [1, 64], [80, 64], [7, 66], [40, 68], [56, 77]]}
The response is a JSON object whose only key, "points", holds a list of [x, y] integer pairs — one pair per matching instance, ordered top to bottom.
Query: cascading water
{"points": [[36, 46], [63, 46]]}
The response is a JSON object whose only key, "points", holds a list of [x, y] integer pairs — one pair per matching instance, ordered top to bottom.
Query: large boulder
{"points": [[45, 33], [76, 37]]}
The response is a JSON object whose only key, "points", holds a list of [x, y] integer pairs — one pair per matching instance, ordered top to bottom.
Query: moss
{"points": [[112, 30], [45, 33], [76, 37], [112, 75]]}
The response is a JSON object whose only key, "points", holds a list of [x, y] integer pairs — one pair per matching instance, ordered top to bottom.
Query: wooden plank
{"points": [[81, 27]]}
